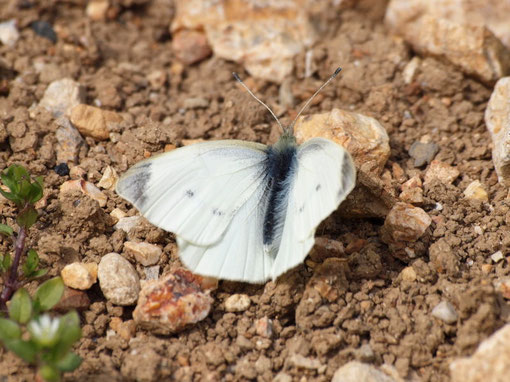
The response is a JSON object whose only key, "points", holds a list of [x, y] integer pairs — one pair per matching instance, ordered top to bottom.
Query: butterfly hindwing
{"points": [[325, 175], [197, 190]]}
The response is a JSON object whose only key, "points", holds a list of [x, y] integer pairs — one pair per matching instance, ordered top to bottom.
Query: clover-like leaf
{"points": [[6, 230], [49, 294], [20, 308], [9, 330]]}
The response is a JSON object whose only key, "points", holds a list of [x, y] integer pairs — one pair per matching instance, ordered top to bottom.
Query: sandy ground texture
{"points": [[378, 306]]}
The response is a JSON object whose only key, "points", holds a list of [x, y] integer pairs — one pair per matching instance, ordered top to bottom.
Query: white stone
{"points": [[9, 32], [264, 36], [62, 95], [497, 119], [109, 178], [87, 188], [476, 191], [128, 223], [145, 253], [497, 256], [118, 279], [237, 303], [445, 312], [490, 362], [355, 371]]}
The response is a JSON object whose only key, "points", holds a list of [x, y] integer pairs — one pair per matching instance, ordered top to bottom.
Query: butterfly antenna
{"points": [[236, 76], [291, 127]]}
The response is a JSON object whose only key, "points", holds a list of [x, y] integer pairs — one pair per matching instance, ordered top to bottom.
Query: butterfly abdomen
{"points": [[280, 164]]}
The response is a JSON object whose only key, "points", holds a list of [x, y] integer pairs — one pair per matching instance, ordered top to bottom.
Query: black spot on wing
{"points": [[347, 174], [136, 185], [318, 187], [190, 193], [217, 212]]}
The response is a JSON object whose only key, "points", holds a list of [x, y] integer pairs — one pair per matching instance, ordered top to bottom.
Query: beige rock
{"points": [[96, 9], [458, 30], [9, 32], [265, 37], [191, 46], [157, 78], [62, 95], [497, 119], [93, 122], [364, 137], [69, 141], [441, 171], [109, 179], [87, 188], [412, 191], [476, 191], [117, 214], [127, 223], [406, 223], [145, 253], [408, 274], [79, 275], [118, 279], [171, 303], [237, 303], [264, 327], [125, 329], [299, 361], [490, 362], [355, 371]]}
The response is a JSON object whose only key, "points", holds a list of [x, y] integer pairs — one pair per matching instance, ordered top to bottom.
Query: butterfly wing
{"points": [[325, 175], [195, 191], [239, 255]]}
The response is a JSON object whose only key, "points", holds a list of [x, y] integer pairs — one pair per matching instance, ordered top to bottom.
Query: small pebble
{"points": [[96, 9], [44, 29], [9, 32], [190, 46], [410, 70], [157, 79], [62, 95], [195, 103], [93, 122], [69, 141], [423, 153], [62, 169], [441, 171], [109, 179], [87, 188], [412, 191], [476, 191], [117, 214], [127, 223], [405, 223], [144, 253], [497, 256], [151, 273], [408, 274], [79, 275], [118, 279], [72, 299], [171, 303], [237, 303], [445, 312], [264, 327], [125, 329], [365, 353], [299, 361], [355, 371]]}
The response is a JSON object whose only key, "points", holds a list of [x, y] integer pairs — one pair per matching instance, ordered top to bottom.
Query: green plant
{"points": [[24, 192], [39, 338]]}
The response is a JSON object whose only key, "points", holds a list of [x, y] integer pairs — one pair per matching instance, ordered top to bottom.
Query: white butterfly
{"points": [[241, 210]]}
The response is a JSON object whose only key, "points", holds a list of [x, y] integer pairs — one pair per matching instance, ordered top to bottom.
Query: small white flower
{"points": [[44, 330]]}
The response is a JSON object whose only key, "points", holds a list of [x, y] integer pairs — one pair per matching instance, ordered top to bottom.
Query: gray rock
{"points": [[62, 95], [69, 141], [423, 153], [118, 280]]}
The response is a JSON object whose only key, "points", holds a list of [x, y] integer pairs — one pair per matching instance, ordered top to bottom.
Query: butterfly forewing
{"points": [[325, 175], [197, 190]]}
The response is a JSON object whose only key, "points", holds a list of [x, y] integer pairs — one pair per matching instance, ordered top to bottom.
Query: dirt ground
{"points": [[376, 316]]}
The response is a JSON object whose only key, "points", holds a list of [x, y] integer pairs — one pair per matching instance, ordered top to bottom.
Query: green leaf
{"points": [[9, 180], [36, 192], [27, 217], [6, 230], [6, 262], [31, 263], [38, 273], [49, 293], [20, 308], [9, 330], [69, 333], [26, 350], [69, 362], [49, 373]]}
